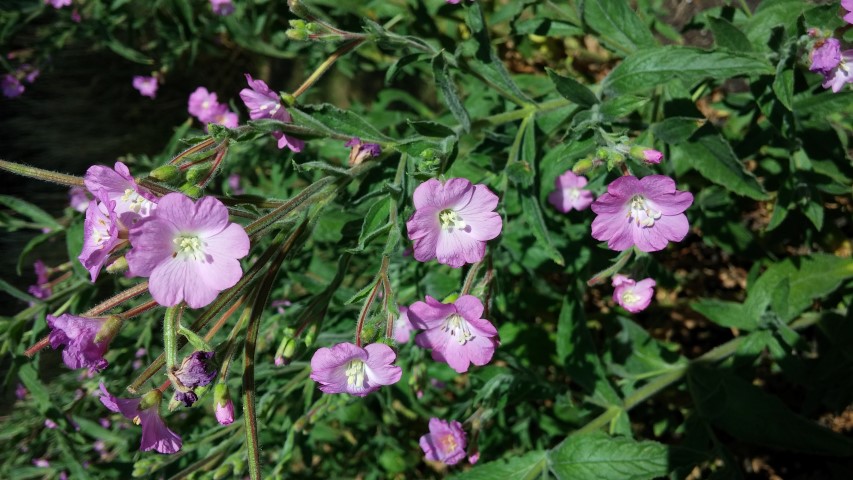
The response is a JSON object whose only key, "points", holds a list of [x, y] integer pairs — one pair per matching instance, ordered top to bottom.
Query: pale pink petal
{"points": [[458, 248]]}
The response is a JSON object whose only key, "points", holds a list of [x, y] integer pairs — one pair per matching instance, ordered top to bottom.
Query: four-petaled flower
{"points": [[262, 102], [570, 194], [132, 202], [648, 213], [453, 221], [100, 234], [189, 250], [632, 295], [456, 332], [78, 334], [348, 368], [145, 411], [445, 441]]}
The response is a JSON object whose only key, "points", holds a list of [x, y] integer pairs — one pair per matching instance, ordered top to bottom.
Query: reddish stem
{"points": [[37, 346]]}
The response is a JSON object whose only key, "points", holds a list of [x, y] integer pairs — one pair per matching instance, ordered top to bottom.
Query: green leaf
{"points": [[770, 15], [617, 25], [728, 36], [127, 52], [647, 69], [783, 85], [570, 89], [448, 91], [622, 106], [326, 119], [674, 130], [710, 154], [34, 213], [534, 218], [376, 221], [74, 245], [808, 277], [10, 290], [725, 314], [634, 353], [29, 377], [753, 416], [600, 457], [525, 467]]}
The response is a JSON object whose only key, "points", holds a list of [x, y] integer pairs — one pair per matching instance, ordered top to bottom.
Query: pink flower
{"points": [[57, 3], [848, 5], [222, 7], [826, 56], [841, 75], [11, 86], [147, 86], [262, 102], [203, 105], [226, 118], [652, 156], [569, 194], [78, 198], [132, 202], [647, 213], [453, 221], [100, 234], [189, 250], [41, 289], [631, 295], [403, 326], [455, 332], [78, 334], [348, 368], [223, 406], [145, 411], [50, 424], [445, 441], [41, 462]]}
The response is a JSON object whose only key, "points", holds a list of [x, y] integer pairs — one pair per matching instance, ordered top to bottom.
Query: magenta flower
{"points": [[58, 3], [848, 5], [222, 7], [826, 57], [841, 74], [11, 86], [147, 86], [262, 102], [203, 105], [225, 117], [360, 151], [652, 156], [569, 194], [78, 198], [132, 202], [648, 213], [453, 221], [100, 234], [189, 250], [41, 289], [632, 295], [403, 326], [455, 332], [78, 334], [348, 368], [196, 370], [20, 391], [222, 405], [145, 411], [445, 441]]}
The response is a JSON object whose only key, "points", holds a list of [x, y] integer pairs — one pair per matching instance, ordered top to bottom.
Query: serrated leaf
{"points": [[618, 26], [647, 69], [570, 89], [448, 91], [327, 118], [600, 457], [525, 467]]}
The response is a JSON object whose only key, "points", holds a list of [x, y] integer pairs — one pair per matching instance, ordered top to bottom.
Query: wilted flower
{"points": [[826, 56], [147, 86], [360, 151], [570, 194], [648, 213], [453, 221], [190, 250], [632, 295], [403, 326], [455, 332], [78, 335], [348, 368], [196, 370], [145, 411], [445, 441]]}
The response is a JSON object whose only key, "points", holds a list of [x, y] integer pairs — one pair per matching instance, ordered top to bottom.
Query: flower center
{"points": [[573, 193], [136, 203], [642, 213], [450, 220], [100, 232], [189, 246], [629, 297], [458, 328], [355, 374], [448, 443]]}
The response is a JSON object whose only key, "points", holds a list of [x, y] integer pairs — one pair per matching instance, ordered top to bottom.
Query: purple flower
{"points": [[58, 3], [848, 5], [222, 7], [76, 18], [826, 57], [841, 74], [11, 86], [147, 86], [262, 102], [203, 105], [225, 117], [360, 151], [652, 156], [234, 184], [569, 194], [78, 198], [132, 202], [648, 213], [453, 221], [100, 235], [189, 250], [41, 289], [632, 295], [403, 326], [456, 332], [78, 334], [347, 368], [196, 370], [20, 391], [222, 405], [145, 411], [49, 424], [445, 441], [41, 462]]}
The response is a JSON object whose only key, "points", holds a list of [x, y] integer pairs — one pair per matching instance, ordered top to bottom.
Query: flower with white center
{"points": [[570, 194], [632, 295], [348, 368]]}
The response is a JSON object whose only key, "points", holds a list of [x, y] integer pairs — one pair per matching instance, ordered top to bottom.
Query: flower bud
{"points": [[298, 35], [646, 155], [582, 166], [165, 173], [197, 173], [191, 190], [118, 266], [109, 330], [310, 335], [150, 399], [222, 404]]}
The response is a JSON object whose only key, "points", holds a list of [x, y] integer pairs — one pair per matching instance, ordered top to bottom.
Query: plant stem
{"points": [[327, 64], [41, 174]]}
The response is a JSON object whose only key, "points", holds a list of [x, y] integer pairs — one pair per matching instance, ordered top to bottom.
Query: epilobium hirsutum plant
{"points": [[478, 239]]}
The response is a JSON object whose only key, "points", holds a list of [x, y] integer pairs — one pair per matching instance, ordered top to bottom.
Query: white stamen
{"points": [[642, 213], [450, 220], [189, 246], [458, 328], [355, 374]]}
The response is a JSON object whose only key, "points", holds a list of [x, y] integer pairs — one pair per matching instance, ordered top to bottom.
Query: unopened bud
{"points": [[297, 34], [288, 99], [646, 155], [582, 166], [166, 173], [197, 173], [191, 190], [118, 266], [109, 329], [310, 335], [150, 399], [222, 405]]}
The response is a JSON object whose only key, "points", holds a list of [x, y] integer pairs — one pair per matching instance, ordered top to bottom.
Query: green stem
{"points": [[327, 64], [41, 174], [171, 326]]}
